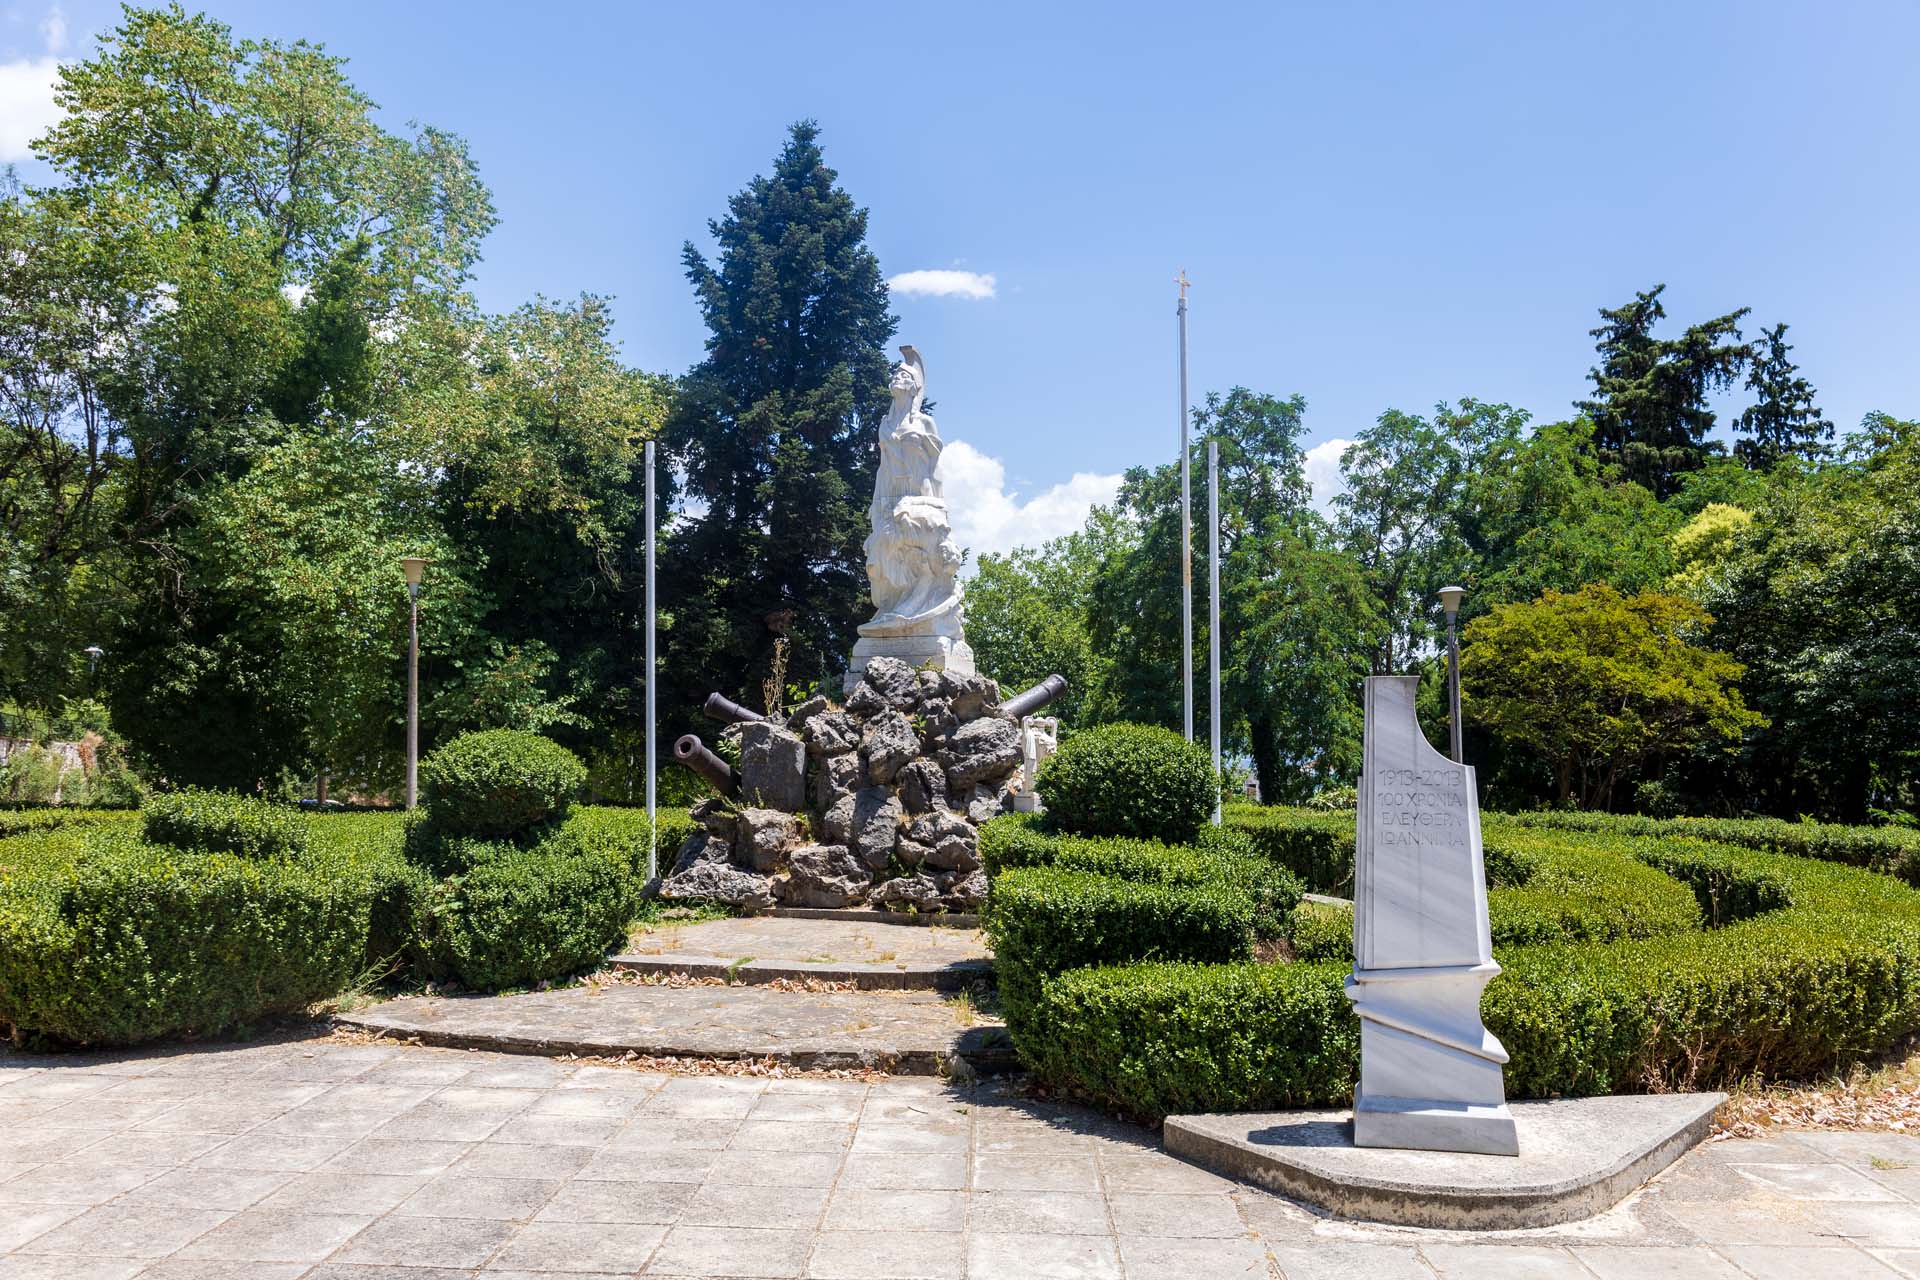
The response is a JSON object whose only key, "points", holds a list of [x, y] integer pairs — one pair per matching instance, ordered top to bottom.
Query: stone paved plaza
{"points": [[333, 1160]]}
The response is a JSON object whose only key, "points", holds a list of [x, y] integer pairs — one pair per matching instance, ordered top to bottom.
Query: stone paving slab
{"points": [[871, 955], [905, 1033], [1578, 1156], [365, 1161]]}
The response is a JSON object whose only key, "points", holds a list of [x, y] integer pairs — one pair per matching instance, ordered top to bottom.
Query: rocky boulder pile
{"points": [[876, 801]]}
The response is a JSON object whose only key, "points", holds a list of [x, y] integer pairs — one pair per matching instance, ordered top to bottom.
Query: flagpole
{"points": [[1186, 532], [1213, 611], [653, 818]]}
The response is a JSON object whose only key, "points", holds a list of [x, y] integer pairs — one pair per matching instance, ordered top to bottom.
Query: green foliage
{"points": [[1649, 408], [1783, 422], [773, 431], [1404, 480], [1703, 542], [1816, 601], [1295, 614], [1028, 616], [1597, 683], [31, 775], [1130, 780], [498, 783], [222, 822], [1316, 847], [1893, 850], [1218, 857], [525, 912], [1043, 921], [1321, 931], [117, 941], [1811, 967], [1157, 1039]]}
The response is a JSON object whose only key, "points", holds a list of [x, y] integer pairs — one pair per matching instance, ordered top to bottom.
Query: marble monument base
{"points": [[923, 652], [1420, 1124]]}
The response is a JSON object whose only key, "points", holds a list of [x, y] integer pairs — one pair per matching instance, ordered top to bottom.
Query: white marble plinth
{"points": [[925, 652], [1026, 802], [1418, 1124]]}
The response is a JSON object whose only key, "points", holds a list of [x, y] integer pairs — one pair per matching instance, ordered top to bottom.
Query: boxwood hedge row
{"points": [[1894, 850], [1219, 854], [108, 938], [1812, 965]]}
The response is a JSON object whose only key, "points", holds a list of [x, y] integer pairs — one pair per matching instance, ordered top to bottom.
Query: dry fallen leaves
{"points": [[1880, 1098]]}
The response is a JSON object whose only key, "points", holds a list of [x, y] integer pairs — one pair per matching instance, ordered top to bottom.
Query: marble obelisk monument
{"points": [[913, 563], [1429, 1069]]}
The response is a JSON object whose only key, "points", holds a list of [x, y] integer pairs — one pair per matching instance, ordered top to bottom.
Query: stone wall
{"points": [[875, 801]]}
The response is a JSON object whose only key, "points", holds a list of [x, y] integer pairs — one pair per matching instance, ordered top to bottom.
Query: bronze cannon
{"points": [[1052, 689], [724, 709], [720, 775]]}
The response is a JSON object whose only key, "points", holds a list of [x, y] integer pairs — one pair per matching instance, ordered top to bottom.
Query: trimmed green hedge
{"points": [[1130, 780], [499, 782], [14, 822], [223, 822], [1017, 840], [1314, 845], [1894, 850], [1043, 921], [107, 939], [1816, 966], [1158, 1039]]}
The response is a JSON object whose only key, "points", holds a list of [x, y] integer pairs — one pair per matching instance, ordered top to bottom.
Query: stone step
{"points": [[861, 947], [955, 976], [902, 1033]]}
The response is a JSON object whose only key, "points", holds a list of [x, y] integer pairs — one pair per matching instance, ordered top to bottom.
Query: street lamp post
{"points": [[415, 568], [1450, 601]]}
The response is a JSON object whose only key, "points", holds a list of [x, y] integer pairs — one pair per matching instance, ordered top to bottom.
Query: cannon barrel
{"points": [[1052, 689], [724, 709], [720, 775]]}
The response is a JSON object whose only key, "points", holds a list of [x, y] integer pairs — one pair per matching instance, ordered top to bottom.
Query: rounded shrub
{"points": [[1130, 780], [499, 782], [223, 822], [518, 914]]}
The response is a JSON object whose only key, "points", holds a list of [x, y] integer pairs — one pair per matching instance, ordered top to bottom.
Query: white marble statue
{"points": [[913, 564], [1039, 739], [1430, 1073]]}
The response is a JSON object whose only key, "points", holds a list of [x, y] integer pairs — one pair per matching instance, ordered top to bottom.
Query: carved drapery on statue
{"points": [[913, 563]]}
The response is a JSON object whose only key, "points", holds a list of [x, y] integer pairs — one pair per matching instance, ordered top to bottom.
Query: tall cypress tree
{"points": [[1649, 406], [1783, 419], [775, 434]]}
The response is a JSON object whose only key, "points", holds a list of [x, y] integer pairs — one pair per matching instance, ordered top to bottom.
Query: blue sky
{"points": [[1379, 205]]}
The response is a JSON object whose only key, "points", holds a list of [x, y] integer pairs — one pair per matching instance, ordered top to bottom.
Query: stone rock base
{"points": [[924, 653], [1578, 1157]]}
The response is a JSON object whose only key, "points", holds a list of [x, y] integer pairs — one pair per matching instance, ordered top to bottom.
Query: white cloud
{"points": [[53, 29], [27, 108], [943, 284], [295, 294], [1323, 473], [988, 517]]}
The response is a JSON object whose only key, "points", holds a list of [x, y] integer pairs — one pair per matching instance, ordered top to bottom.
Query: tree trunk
{"points": [[1266, 761]]}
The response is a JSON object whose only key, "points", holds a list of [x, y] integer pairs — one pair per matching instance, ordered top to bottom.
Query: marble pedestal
{"points": [[924, 652]]}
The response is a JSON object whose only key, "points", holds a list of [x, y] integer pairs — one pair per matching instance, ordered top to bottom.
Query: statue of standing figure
{"points": [[913, 563]]}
